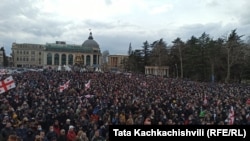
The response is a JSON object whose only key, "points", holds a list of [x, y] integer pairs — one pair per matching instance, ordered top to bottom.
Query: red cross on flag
{"points": [[7, 84]]}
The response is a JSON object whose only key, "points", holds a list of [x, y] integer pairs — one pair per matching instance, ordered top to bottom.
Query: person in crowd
{"points": [[57, 127], [7, 131], [21, 131], [51, 134], [71, 135], [43, 136], [62, 136], [81, 136], [97, 136], [12, 137]]}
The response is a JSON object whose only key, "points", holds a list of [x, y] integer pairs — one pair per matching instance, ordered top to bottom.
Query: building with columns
{"points": [[57, 54], [117, 62], [157, 70]]}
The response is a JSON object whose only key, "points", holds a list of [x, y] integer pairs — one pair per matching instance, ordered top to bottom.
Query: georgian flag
{"points": [[7, 84], [87, 85], [64, 86], [231, 116]]}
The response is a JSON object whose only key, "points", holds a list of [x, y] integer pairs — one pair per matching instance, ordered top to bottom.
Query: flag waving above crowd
{"points": [[7, 84], [87, 85], [64, 86], [231, 116]]}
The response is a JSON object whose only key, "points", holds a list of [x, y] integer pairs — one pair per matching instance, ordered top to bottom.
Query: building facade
{"points": [[57, 54], [27, 55], [117, 62], [157, 70]]}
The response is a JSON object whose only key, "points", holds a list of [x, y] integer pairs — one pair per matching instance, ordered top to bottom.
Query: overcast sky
{"points": [[116, 23]]}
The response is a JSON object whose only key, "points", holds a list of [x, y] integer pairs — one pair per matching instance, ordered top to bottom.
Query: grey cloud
{"points": [[108, 2], [212, 3], [14, 8], [245, 13], [24, 16], [99, 25], [109, 25], [46, 28], [119, 43]]}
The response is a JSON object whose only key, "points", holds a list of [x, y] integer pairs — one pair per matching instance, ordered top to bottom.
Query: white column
{"points": [[53, 55], [67, 55], [60, 57], [45, 58], [85, 58], [91, 59]]}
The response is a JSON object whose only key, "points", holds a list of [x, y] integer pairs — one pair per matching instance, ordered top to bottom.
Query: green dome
{"points": [[90, 42]]}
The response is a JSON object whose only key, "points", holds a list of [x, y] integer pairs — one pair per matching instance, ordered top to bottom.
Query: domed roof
{"points": [[90, 42]]}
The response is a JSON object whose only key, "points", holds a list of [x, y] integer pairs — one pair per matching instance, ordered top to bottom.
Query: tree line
{"points": [[225, 59]]}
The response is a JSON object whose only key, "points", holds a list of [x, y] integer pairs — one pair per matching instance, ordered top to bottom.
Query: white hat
{"points": [[68, 120], [71, 126]]}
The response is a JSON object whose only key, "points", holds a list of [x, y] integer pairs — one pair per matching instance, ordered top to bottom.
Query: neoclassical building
{"points": [[57, 54], [117, 62], [157, 70]]}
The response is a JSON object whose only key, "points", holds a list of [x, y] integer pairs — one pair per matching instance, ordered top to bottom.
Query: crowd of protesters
{"points": [[35, 110]]}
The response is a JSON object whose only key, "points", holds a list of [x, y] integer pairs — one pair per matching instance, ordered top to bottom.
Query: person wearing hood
{"points": [[71, 135]]}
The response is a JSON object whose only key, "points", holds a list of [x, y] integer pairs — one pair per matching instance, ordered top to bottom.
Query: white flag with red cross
{"points": [[7, 84], [87, 85], [64, 86], [231, 116]]}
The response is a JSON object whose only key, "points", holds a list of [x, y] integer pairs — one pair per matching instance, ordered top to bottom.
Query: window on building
{"points": [[32, 52], [40, 53], [83, 58], [17, 59], [33, 59], [49, 59], [56, 59], [63, 59], [70, 59], [95, 59], [98, 59], [87, 60]]}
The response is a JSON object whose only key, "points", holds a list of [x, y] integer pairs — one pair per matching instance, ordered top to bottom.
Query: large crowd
{"points": [[35, 110]]}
